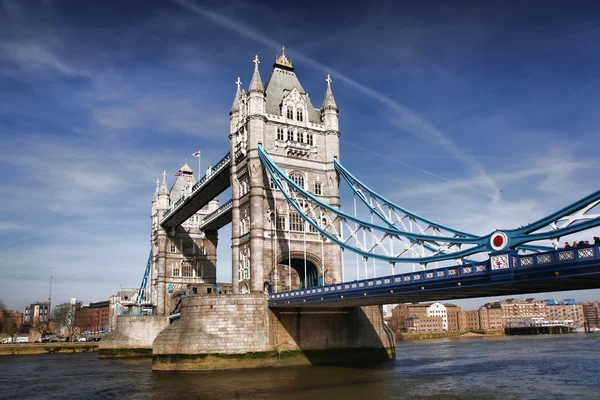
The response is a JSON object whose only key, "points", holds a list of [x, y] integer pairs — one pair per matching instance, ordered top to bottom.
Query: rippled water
{"points": [[534, 367]]}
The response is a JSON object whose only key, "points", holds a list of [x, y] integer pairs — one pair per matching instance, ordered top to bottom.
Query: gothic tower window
{"points": [[290, 113], [299, 115], [279, 133], [290, 135], [301, 137], [309, 139], [298, 179], [318, 190], [281, 222], [296, 222], [172, 248], [187, 248], [244, 266], [176, 270], [187, 270]]}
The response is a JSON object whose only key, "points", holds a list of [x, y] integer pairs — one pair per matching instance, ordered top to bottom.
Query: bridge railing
{"points": [[223, 163], [215, 214], [515, 263]]}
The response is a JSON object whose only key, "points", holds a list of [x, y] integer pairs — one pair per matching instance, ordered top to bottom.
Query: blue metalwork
{"points": [[359, 189], [480, 244], [556, 260], [144, 284]]}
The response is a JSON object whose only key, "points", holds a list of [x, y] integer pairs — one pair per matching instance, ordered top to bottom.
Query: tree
{"points": [[64, 318], [9, 322], [41, 328]]}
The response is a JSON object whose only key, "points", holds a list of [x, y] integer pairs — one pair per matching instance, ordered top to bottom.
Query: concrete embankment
{"points": [[46, 348]]}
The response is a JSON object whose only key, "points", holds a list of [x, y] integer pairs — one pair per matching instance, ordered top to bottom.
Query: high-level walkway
{"points": [[206, 189]]}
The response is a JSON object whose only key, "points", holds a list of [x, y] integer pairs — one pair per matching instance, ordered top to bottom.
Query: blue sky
{"points": [[481, 115]]}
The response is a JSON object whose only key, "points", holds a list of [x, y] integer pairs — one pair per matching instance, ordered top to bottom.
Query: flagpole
{"points": [[199, 156]]}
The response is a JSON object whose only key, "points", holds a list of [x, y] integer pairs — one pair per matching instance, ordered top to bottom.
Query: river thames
{"points": [[531, 367]]}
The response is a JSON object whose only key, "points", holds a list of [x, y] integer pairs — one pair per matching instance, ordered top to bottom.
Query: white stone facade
{"points": [[303, 141]]}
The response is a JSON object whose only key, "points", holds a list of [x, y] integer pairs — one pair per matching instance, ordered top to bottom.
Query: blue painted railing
{"points": [[515, 263]]}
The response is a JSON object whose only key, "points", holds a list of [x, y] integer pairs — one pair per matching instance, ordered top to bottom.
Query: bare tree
{"points": [[65, 318], [9, 322]]}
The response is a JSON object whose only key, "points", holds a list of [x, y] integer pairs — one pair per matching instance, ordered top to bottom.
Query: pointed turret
{"points": [[256, 84], [256, 91], [329, 101], [235, 107], [329, 110], [163, 194]]}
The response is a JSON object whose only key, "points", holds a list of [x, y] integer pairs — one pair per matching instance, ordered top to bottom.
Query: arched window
{"points": [[290, 113], [299, 115], [279, 133], [290, 135], [300, 136], [298, 179], [318, 190], [187, 270]]}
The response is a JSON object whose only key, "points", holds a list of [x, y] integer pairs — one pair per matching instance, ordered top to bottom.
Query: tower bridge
{"points": [[284, 170]]}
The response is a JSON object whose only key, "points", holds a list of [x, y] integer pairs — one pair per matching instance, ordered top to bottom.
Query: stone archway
{"points": [[309, 276]]}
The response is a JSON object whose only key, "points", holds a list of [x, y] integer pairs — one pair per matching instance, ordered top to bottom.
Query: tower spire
{"points": [[256, 83], [329, 101], [235, 107], [163, 186]]}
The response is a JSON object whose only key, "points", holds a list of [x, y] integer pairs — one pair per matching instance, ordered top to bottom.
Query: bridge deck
{"points": [[205, 190], [568, 269]]}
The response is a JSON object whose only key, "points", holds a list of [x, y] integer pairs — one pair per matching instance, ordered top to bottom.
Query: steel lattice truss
{"points": [[400, 236]]}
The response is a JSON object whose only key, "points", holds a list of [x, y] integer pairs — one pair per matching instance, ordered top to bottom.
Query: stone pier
{"points": [[240, 331], [133, 336]]}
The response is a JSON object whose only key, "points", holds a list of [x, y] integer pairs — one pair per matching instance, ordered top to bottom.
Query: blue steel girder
{"points": [[305, 203], [389, 212], [330, 223], [144, 284]]}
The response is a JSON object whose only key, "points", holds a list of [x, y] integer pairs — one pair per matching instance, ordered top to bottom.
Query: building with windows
{"points": [[514, 310], [562, 310], [38, 312], [591, 313], [94, 317], [426, 317]]}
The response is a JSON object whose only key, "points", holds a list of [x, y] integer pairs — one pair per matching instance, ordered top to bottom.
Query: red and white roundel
{"points": [[499, 240]]}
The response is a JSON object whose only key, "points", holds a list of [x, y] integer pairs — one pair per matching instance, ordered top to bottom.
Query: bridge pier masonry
{"points": [[240, 331]]}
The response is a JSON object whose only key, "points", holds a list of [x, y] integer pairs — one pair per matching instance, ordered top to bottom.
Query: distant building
{"points": [[567, 309], [513, 310], [36, 312], [591, 313], [93, 317], [427, 317], [490, 318], [472, 320]]}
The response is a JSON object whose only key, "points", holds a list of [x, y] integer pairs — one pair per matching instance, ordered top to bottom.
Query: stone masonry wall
{"points": [[240, 331], [133, 336]]}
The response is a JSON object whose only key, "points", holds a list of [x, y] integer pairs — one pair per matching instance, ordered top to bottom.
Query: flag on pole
{"points": [[196, 154], [178, 174]]}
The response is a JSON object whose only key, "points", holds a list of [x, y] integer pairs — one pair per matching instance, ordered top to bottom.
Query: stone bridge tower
{"points": [[268, 238], [184, 259]]}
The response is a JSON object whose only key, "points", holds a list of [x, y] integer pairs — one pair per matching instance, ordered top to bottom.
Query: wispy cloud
{"points": [[405, 118]]}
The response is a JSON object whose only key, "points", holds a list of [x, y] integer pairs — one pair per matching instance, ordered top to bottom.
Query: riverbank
{"points": [[444, 335], [46, 348]]}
